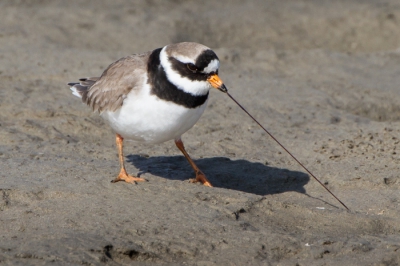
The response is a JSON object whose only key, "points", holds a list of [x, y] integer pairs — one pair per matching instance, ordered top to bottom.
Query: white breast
{"points": [[146, 118]]}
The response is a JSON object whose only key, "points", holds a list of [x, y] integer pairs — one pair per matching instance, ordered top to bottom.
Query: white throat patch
{"points": [[193, 87]]}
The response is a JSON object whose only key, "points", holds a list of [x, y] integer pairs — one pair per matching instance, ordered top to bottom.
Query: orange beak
{"points": [[217, 83]]}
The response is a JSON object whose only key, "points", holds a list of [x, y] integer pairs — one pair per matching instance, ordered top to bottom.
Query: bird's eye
{"points": [[192, 67]]}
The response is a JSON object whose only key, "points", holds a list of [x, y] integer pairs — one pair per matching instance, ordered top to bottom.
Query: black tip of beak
{"points": [[223, 88]]}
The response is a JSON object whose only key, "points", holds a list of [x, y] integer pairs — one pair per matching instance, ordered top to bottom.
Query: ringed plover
{"points": [[154, 97]]}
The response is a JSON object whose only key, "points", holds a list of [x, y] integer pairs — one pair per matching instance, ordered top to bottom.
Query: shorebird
{"points": [[154, 97]]}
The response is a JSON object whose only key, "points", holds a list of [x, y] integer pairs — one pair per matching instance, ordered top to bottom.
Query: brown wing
{"points": [[108, 92]]}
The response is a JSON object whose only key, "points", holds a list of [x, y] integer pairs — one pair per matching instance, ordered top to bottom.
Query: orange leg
{"points": [[123, 175], [200, 177]]}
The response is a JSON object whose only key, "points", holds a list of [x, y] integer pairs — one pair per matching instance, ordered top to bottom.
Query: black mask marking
{"points": [[165, 90]]}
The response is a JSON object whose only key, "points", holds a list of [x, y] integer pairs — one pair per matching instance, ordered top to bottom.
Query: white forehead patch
{"points": [[212, 66]]}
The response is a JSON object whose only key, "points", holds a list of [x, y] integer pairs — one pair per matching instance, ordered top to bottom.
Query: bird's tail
{"points": [[81, 88]]}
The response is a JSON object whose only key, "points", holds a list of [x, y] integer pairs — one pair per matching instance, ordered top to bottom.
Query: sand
{"points": [[322, 76]]}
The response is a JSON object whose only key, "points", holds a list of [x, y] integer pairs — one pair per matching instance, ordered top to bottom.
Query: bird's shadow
{"points": [[241, 175]]}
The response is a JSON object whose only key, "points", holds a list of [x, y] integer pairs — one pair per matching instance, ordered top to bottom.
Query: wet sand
{"points": [[322, 76]]}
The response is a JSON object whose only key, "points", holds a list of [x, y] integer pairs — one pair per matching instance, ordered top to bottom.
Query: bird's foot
{"points": [[123, 176], [200, 177]]}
